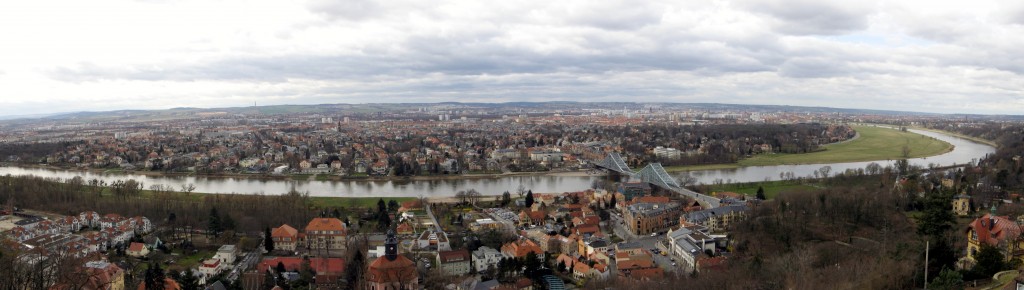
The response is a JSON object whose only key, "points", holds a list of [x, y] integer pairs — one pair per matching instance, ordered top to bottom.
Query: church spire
{"points": [[391, 246]]}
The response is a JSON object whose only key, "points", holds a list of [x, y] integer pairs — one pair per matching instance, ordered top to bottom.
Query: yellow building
{"points": [[962, 205], [996, 231]]}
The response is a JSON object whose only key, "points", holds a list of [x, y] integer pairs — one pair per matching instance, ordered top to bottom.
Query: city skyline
{"points": [[114, 55]]}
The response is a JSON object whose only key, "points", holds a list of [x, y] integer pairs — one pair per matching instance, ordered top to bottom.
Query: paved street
{"points": [[430, 213], [648, 242], [248, 260]]}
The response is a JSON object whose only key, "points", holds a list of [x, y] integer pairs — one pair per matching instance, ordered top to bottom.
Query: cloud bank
{"points": [[121, 54]]}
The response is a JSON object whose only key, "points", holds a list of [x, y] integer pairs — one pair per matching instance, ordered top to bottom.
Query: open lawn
{"points": [[874, 143], [701, 167], [771, 188], [371, 202]]}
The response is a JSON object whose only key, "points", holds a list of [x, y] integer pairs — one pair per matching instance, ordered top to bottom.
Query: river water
{"points": [[966, 151]]}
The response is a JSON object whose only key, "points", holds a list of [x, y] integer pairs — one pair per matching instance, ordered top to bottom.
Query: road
{"points": [[430, 213], [648, 242], [249, 260]]}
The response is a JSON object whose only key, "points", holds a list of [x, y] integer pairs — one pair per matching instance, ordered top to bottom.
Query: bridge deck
{"points": [[655, 174]]}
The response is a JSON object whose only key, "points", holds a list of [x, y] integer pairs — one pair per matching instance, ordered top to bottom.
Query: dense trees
{"points": [[529, 198], [189, 212], [819, 239], [268, 241]]}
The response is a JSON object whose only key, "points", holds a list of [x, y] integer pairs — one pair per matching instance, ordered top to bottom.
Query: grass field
{"points": [[874, 143], [701, 167], [771, 188], [371, 202]]}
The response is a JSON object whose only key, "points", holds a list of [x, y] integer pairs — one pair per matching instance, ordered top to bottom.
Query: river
{"points": [[966, 151]]}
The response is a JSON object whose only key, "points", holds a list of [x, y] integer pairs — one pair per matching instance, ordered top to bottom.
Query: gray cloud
{"points": [[810, 17], [807, 52]]}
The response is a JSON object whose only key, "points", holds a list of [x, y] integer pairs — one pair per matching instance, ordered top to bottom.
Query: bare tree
{"points": [[188, 188]]}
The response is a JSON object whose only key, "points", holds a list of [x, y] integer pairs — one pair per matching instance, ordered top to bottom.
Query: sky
{"points": [[99, 55]]}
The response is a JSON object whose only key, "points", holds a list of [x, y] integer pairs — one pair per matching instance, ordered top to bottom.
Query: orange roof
{"points": [[651, 199], [326, 224], [404, 228], [588, 229], [994, 229], [285, 231], [135, 247], [521, 247], [453, 256], [635, 264], [328, 266], [383, 270], [646, 273]]}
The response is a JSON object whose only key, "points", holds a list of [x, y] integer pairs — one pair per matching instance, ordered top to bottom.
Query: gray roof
{"points": [[645, 208], [703, 215], [688, 246], [487, 285]]}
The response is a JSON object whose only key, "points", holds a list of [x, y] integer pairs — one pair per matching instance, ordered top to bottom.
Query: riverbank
{"points": [[958, 135]]}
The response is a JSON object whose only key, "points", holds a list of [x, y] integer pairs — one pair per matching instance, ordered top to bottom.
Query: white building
{"points": [[667, 153], [433, 240], [688, 244], [227, 254], [486, 257], [211, 267]]}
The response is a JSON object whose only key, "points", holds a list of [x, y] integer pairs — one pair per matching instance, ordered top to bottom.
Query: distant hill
{"points": [[127, 115]]}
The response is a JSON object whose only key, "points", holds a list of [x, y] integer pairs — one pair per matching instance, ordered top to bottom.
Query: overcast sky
{"points": [[61, 56]]}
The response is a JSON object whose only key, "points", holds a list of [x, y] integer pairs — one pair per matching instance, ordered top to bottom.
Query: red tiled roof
{"points": [[651, 199], [326, 224], [404, 228], [994, 229], [284, 231], [135, 247], [521, 247], [453, 256], [326, 266], [383, 270], [646, 273]]}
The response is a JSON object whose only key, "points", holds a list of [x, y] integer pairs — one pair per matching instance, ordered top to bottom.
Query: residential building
{"points": [[667, 153], [629, 190], [962, 205], [646, 218], [717, 219], [996, 231], [326, 233], [285, 237], [436, 240], [689, 243], [520, 248], [137, 250], [227, 254], [485, 257], [453, 263], [322, 266], [211, 267], [102, 275]]}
